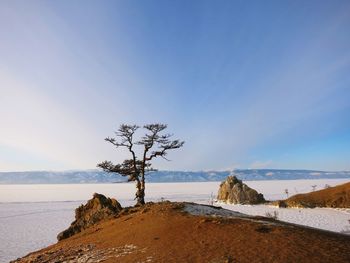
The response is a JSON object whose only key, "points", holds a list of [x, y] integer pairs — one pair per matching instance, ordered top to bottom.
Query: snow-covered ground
{"points": [[32, 215], [336, 220]]}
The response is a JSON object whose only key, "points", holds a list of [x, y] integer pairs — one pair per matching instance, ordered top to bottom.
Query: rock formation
{"points": [[233, 191], [95, 210]]}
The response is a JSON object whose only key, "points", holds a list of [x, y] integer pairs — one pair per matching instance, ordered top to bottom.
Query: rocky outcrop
{"points": [[233, 191], [96, 209]]}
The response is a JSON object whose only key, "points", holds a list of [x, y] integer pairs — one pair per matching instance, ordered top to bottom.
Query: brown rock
{"points": [[233, 191], [95, 210]]}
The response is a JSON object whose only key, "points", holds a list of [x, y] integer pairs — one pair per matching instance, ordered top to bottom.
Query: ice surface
{"points": [[272, 190], [32, 215], [25, 227]]}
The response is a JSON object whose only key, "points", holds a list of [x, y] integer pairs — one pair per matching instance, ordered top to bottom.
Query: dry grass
{"points": [[338, 196]]}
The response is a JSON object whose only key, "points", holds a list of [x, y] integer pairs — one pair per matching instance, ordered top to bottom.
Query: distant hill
{"points": [[95, 176], [336, 197]]}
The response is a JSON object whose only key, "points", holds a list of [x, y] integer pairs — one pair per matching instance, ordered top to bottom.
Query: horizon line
{"points": [[194, 171]]}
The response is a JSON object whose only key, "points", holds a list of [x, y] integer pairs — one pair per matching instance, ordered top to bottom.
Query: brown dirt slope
{"points": [[338, 196], [163, 232]]}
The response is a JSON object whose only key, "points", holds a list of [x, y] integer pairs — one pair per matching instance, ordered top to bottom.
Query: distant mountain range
{"points": [[95, 176]]}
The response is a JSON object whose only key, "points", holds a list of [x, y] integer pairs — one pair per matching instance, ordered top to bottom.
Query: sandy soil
{"points": [[165, 232]]}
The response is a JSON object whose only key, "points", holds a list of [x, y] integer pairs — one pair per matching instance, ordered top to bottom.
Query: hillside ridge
{"points": [[335, 197], [188, 232]]}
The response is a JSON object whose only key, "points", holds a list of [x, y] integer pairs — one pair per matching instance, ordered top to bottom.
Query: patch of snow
{"points": [[205, 210], [336, 220]]}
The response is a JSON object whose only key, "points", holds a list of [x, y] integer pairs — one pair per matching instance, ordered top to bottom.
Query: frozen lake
{"points": [[32, 215]]}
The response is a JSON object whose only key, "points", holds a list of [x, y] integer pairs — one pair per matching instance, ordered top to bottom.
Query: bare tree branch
{"points": [[165, 146], [135, 169]]}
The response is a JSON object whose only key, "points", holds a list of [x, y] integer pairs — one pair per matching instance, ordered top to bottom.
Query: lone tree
{"points": [[154, 144], [286, 191]]}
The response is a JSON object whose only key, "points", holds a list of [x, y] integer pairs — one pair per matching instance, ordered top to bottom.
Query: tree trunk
{"points": [[143, 186], [140, 193], [140, 201]]}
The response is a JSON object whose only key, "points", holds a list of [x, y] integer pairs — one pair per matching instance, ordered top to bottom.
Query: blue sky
{"points": [[247, 84]]}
